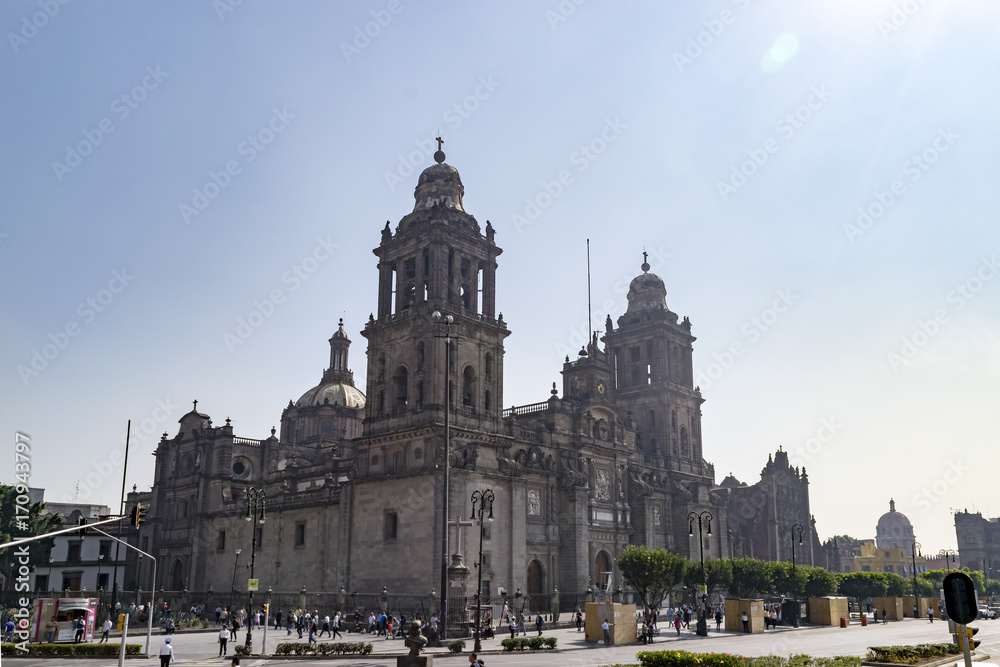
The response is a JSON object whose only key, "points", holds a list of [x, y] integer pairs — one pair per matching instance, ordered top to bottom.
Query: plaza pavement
{"points": [[200, 648]]}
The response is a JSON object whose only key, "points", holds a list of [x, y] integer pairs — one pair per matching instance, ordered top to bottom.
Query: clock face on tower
{"points": [[601, 387]]}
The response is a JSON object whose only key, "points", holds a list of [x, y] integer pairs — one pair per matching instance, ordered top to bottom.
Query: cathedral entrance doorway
{"points": [[603, 571], [536, 586]]}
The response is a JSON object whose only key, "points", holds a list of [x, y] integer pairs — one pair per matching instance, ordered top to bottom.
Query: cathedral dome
{"points": [[439, 185], [646, 291], [332, 392], [893, 529]]}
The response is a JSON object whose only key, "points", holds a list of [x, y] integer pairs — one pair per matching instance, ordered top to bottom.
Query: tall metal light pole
{"points": [[447, 320], [480, 500], [255, 515], [705, 517], [914, 548], [946, 553], [48, 580], [795, 581], [98, 587], [232, 589]]}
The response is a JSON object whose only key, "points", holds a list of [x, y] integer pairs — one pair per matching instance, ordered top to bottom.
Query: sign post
{"points": [[960, 601]]}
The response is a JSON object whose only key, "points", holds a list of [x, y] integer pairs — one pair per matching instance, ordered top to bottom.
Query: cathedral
{"points": [[354, 480]]}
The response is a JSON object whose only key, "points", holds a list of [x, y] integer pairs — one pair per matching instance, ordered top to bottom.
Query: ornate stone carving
{"points": [[603, 480], [534, 503]]}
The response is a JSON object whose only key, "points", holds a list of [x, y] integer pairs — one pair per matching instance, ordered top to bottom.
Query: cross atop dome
{"points": [[439, 154]]}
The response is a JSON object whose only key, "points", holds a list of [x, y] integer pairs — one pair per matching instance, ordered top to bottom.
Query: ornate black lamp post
{"points": [[447, 321], [480, 501], [255, 515], [704, 522], [796, 528], [914, 549], [946, 553], [232, 589]]}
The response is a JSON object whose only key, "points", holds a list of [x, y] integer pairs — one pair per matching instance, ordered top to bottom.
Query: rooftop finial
{"points": [[439, 154], [645, 262], [341, 323], [195, 405]]}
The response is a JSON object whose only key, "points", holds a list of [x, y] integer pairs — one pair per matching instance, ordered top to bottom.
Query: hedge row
{"points": [[528, 643], [324, 648], [71, 649], [909, 655], [688, 659]]}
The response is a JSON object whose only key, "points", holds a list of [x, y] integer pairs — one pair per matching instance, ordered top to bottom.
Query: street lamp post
{"points": [[447, 321], [480, 500], [255, 515], [706, 519], [914, 548], [946, 553], [48, 579], [795, 582], [232, 588], [100, 589]]}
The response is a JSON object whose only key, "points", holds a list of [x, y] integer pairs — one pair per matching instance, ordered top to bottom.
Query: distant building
{"points": [[978, 542], [890, 551], [894, 560]]}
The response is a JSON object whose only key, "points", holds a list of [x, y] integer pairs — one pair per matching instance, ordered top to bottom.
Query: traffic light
{"points": [[138, 515], [82, 522], [265, 607], [970, 632]]}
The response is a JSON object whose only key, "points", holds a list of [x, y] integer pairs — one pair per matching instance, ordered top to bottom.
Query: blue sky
{"points": [[814, 182]]}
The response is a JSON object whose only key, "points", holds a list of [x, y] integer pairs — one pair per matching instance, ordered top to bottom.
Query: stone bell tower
{"points": [[438, 259]]}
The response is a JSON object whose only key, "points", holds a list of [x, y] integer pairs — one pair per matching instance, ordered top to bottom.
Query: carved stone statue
{"points": [[415, 641]]}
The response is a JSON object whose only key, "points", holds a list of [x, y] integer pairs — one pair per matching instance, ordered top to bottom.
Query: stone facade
{"points": [[354, 481], [978, 542]]}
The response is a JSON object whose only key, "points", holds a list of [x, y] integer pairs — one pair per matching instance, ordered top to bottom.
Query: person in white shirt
{"points": [[105, 630], [607, 633], [223, 639], [166, 653]]}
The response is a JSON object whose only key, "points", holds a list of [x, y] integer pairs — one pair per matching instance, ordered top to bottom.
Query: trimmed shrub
{"points": [[528, 643], [456, 646], [324, 648], [71, 649], [241, 649], [909, 655], [687, 659]]}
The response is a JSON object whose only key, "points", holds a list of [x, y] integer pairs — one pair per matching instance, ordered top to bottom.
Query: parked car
{"points": [[986, 612]]}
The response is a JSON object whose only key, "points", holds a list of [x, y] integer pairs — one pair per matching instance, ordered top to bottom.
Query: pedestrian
{"points": [[930, 614], [218, 615], [885, 616], [774, 618], [718, 619], [277, 620], [579, 620], [539, 622], [746, 622], [677, 624], [326, 625], [520, 625], [336, 626], [81, 627], [513, 627], [50, 630], [105, 630], [312, 631], [607, 632], [649, 632], [223, 640], [166, 653], [474, 661], [235, 662]]}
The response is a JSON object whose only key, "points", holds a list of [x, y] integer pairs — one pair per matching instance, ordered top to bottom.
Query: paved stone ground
{"points": [[200, 649]]}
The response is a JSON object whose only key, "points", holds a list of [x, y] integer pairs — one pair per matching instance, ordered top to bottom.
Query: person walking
{"points": [[930, 614], [218, 615], [885, 617], [718, 619], [579, 620], [539, 622], [746, 622], [677, 624], [326, 625], [520, 625], [336, 626], [81, 627], [513, 627], [105, 630], [223, 640], [166, 653]]}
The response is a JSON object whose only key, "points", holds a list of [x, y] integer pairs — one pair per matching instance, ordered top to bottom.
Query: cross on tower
{"points": [[440, 142]]}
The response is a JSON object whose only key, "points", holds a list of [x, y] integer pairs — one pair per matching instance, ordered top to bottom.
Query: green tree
{"points": [[16, 524], [653, 573], [719, 574], [751, 578], [820, 582], [862, 585], [896, 586]]}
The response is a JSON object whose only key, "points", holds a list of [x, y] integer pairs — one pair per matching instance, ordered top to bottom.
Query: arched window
{"points": [[400, 380], [469, 387], [602, 570]]}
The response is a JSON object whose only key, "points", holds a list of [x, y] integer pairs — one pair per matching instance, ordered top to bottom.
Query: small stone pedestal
{"points": [[415, 661]]}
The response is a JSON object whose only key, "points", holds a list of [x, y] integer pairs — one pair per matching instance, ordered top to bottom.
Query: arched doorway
{"points": [[602, 571], [177, 576], [536, 586]]}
